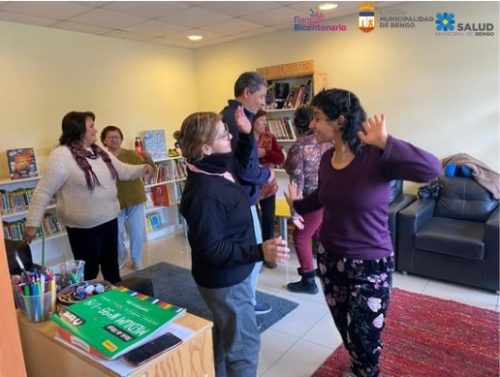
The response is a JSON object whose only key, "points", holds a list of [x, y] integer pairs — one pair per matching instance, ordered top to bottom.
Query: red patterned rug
{"points": [[428, 337]]}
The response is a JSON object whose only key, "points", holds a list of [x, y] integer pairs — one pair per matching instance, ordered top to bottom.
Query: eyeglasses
{"points": [[225, 134]]}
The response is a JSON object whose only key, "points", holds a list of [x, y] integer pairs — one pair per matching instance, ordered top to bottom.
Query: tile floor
{"points": [[298, 344]]}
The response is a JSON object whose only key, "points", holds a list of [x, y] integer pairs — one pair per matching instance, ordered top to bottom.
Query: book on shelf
{"points": [[155, 144], [22, 163], [161, 196], [153, 221], [13, 230], [112, 323]]}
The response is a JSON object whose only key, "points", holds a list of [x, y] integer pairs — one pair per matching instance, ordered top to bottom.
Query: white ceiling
{"points": [[169, 22]]}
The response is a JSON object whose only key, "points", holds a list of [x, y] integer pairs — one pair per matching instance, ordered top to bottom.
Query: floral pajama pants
{"points": [[357, 293]]}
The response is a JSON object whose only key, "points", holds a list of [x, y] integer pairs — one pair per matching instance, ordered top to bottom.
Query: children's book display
{"points": [[154, 143], [22, 163], [112, 323]]}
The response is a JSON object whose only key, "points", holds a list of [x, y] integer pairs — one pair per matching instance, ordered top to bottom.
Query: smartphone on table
{"points": [[152, 348]]}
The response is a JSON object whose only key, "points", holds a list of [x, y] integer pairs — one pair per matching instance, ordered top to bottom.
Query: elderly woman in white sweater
{"points": [[83, 176]]}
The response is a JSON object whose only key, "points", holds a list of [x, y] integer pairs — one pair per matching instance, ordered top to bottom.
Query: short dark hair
{"points": [[251, 80], [336, 102], [302, 119], [73, 127], [107, 129]]}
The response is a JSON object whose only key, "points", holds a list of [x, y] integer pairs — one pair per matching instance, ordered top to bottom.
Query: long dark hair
{"points": [[336, 102], [73, 127]]}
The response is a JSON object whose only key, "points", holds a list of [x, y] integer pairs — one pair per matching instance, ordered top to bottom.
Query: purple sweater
{"points": [[356, 198]]}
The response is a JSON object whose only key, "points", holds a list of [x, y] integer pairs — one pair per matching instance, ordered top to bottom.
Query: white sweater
{"points": [[77, 205]]}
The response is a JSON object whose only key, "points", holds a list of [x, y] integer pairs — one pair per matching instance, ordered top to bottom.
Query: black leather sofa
{"points": [[397, 201], [454, 237]]}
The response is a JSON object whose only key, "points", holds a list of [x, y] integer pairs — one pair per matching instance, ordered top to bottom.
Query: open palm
{"points": [[374, 132]]}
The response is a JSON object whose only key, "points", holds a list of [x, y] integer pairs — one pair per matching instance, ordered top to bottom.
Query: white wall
{"points": [[45, 73], [441, 93]]}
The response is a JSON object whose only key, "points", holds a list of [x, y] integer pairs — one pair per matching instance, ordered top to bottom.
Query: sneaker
{"points": [[121, 265], [137, 266], [262, 308]]}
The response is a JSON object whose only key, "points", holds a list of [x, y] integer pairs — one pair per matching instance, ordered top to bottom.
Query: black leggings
{"points": [[97, 246]]}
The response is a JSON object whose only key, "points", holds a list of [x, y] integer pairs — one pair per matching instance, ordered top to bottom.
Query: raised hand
{"points": [[244, 125], [374, 132], [292, 194]]}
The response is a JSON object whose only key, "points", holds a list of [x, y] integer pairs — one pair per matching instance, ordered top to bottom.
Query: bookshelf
{"points": [[290, 86], [163, 193], [15, 198]]}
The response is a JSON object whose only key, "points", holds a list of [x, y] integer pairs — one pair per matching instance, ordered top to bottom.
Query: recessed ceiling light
{"points": [[327, 6], [195, 38]]}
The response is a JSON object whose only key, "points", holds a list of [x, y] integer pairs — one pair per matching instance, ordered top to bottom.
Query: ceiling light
{"points": [[327, 6], [195, 38]]}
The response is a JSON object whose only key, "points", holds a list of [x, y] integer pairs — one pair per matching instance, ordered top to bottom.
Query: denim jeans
{"points": [[131, 219], [258, 265]]}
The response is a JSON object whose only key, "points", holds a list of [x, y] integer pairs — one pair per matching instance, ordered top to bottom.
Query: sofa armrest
{"points": [[402, 202], [397, 205], [417, 214], [409, 220], [492, 237]]}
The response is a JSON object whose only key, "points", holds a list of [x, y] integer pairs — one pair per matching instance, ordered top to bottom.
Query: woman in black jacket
{"points": [[221, 236]]}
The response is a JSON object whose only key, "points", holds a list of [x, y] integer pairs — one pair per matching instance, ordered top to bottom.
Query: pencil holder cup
{"points": [[69, 272], [38, 307]]}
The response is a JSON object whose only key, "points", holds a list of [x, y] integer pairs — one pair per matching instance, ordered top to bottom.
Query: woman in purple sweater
{"points": [[355, 254]]}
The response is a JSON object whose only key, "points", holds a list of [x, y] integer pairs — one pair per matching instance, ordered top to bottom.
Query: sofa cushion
{"points": [[463, 198], [459, 238]]}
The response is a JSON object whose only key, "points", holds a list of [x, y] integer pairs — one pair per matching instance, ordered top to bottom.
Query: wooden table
{"points": [[282, 212], [45, 356]]}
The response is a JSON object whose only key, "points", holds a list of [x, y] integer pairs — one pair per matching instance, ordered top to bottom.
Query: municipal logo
{"points": [[366, 21], [445, 21]]}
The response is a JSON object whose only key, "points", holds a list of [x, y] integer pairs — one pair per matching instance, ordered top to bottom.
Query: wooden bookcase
{"points": [[290, 86]]}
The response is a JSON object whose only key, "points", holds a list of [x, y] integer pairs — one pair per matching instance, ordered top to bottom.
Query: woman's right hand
{"points": [[29, 233], [275, 250]]}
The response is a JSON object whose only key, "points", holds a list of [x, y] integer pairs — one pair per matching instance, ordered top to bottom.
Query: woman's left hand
{"points": [[244, 125], [374, 132], [148, 170]]}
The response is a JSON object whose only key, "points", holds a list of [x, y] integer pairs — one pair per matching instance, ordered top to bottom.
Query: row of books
{"points": [[280, 96], [299, 96], [282, 128], [169, 171], [162, 195], [15, 200], [14, 230], [112, 323]]}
